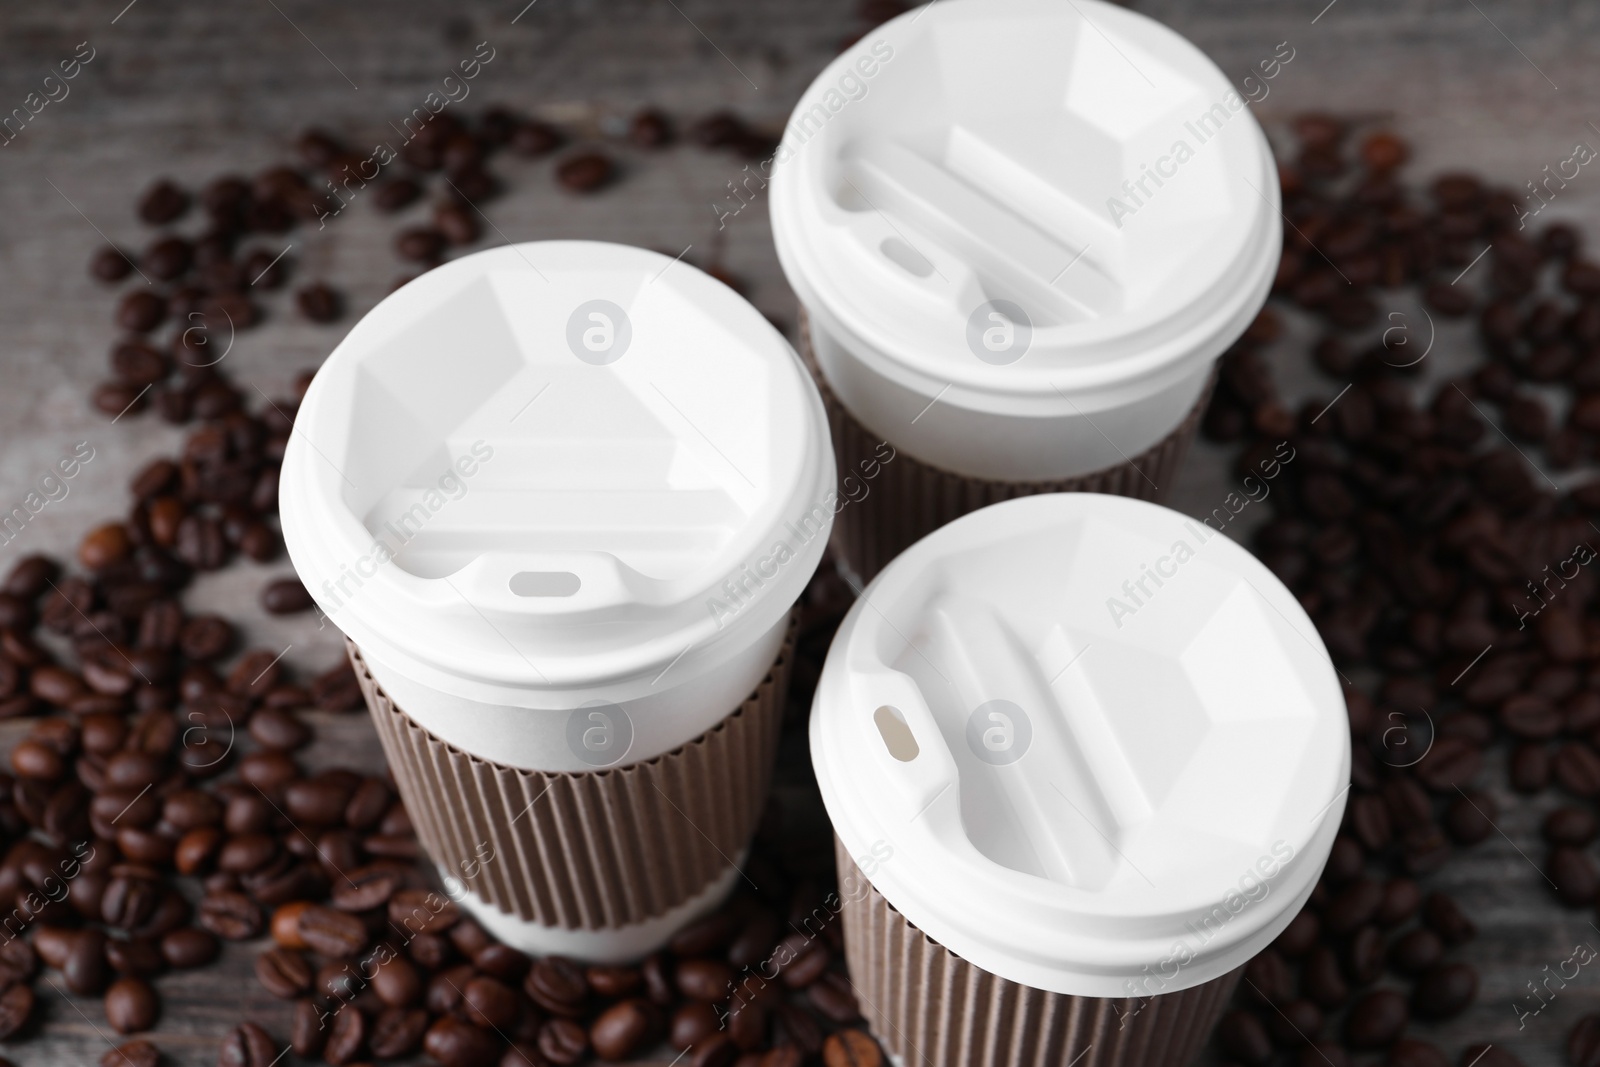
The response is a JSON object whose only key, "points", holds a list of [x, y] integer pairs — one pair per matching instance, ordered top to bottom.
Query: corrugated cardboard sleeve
{"points": [[909, 499], [589, 850], [931, 1008]]}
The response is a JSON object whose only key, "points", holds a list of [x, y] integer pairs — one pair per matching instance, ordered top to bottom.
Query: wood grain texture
{"points": [[196, 89]]}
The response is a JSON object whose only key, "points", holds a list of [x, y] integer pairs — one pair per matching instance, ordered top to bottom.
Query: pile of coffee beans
{"points": [[1445, 574]]}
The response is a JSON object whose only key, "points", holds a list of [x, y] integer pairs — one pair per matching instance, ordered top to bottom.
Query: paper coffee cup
{"points": [[1022, 232], [561, 497], [1084, 757]]}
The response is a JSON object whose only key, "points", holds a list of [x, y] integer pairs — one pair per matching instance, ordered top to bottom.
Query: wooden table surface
{"points": [[195, 89]]}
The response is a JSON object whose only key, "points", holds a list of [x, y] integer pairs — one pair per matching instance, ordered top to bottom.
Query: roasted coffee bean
{"points": [[650, 128], [535, 138], [586, 172], [394, 194], [457, 222], [420, 244], [167, 258], [110, 264], [319, 302], [141, 311], [104, 546], [285, 596], [206, 637], [256, 672], [32, 759], [1530, 768], [1576, 768], [268, 772], [316, 801], [367, 804], [188, 809], [248, 813], [1468, 819], [1570, 825], [144, 846], [197, 849], [244, 853], [1573, 875], [365, 888], [1402, 898], [1353, 906], [424, 911], [231, 915], [1444, 916], [285, 925], [330, 932], [1299, 936], [188, 947], [429, 950], [1416, 951], [1363, 955], [139, 956], [18, 962], [510, 966], [806, 967], [84, 968], [283, 972], [1269, 978], [704, 979], [1322, 979], [657, 980], [336, 981], [397, 982], [614, 982], [557, 985], [1444, 991], [443, 995], [834, 997], [488, 1002], [131, 1005], [16, 1009], [1376, 1019], [1295, 1022], [692, 1023], [746, 1025], [797, 1027], [624, 1029], [307, 1031], [397, 1032], [1241, 1035], [347, 1037], [563, 1041], [1583, 1042], [460, 1044], [247, 1045], [851, 1048], [717, 1051], [1409, 1052], [140, 1053], [521, 1053]]}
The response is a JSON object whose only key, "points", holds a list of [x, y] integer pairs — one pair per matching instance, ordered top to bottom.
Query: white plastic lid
{"points": [[1027, 205], [574, 452], [1075, 775]]}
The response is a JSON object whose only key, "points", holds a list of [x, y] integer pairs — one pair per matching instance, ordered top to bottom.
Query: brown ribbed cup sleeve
{"points": [[909, 499], [589, 850], [931, 1008]]}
